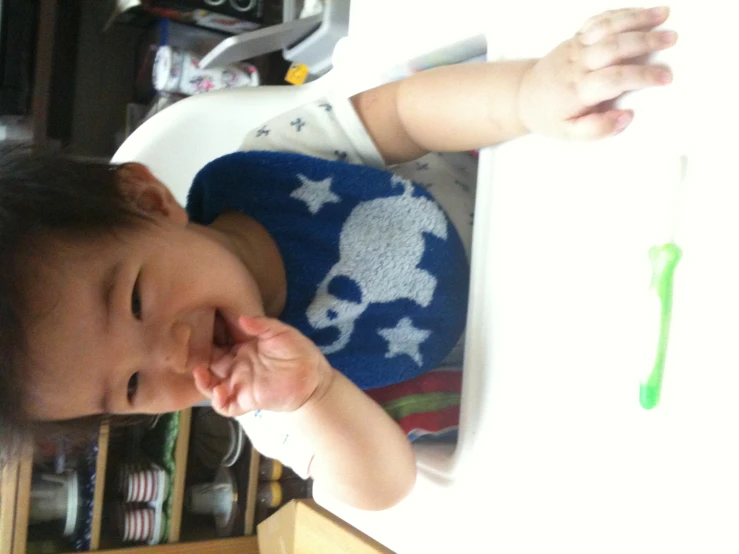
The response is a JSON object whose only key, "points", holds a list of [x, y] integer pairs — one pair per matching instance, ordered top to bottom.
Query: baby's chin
{"points": [[194, 398]]}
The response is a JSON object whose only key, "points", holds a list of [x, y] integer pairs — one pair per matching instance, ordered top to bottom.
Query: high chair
{"points": [[181, 139], [177, 142], [554, 448]]}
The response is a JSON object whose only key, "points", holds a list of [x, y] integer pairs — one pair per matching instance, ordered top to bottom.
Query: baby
{"points": [[114, 300]]}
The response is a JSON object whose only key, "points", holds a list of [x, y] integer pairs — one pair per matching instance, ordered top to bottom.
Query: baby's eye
{"points": [[136, 301], [133, 386]]}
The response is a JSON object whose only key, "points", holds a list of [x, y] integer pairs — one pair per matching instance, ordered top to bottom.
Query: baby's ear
{"points": [[149, 194]]}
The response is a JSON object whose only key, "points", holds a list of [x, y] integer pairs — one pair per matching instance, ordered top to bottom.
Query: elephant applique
{"points": [[380, 247]]}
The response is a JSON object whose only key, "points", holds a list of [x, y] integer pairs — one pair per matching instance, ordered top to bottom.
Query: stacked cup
{"points": [[142, 487], [136, 523]]}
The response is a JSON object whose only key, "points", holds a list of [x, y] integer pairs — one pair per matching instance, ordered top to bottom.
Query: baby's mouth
{"points": [[221, 334]]}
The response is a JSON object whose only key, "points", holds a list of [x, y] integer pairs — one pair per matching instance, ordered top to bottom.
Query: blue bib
{"points": [[377, 275]]}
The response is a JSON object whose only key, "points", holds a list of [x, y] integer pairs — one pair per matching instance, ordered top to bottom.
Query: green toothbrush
{"points": [[664, 260]]}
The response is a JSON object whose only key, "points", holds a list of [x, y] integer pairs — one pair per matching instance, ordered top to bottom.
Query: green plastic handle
{"points": [[664, 260]]}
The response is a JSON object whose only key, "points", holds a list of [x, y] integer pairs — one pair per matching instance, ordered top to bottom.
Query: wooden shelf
{"points": [[101, 465], [178, 480], [15, 490], [8, 494], [251, 494], [23, 502], [238, 545]]}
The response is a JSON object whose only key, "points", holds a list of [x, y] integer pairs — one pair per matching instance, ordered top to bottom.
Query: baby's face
{"points": [[119, 323]]}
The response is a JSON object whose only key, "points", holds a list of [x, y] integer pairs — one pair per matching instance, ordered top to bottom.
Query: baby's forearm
{"points": [[450, 108], [362, 457]]}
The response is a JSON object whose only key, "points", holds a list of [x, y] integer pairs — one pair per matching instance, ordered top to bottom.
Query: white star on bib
{"points": [[314, 193], [404, 338]]}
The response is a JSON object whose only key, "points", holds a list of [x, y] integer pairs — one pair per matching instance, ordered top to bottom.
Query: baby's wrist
{"points": [[522, 94], [325, 382]]}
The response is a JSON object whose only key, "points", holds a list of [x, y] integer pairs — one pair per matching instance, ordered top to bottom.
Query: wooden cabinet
{"points": [[15, 493], [303, 527]]}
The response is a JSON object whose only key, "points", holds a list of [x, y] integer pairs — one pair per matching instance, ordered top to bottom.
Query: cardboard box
{"points": [[303, 527]]}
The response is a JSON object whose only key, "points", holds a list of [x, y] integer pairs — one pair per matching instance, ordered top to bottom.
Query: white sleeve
{"points": [[328, 128], [331, 129], [269, 432]]}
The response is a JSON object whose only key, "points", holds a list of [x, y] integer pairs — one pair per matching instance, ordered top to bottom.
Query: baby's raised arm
{"points": [[568, 93], [360, 455]]}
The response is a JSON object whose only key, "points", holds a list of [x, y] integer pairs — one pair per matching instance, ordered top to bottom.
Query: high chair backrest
{"points": [[184, 137], [181, 139]]}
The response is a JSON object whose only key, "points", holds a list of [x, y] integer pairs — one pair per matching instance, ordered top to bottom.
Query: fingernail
{"points": [[658, 13], [667, 37], [663, 76], [622, 122], [244, 322]]}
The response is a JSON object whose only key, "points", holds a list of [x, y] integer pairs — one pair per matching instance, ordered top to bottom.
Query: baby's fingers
{"points": [[620, 21], [617, 48], [610, 82], [598, 125], [263, 328], [276, 339], [205, 381], [223, 394], [221, 399], [226, 401]]}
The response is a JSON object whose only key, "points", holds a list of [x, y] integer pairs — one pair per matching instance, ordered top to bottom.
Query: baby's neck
{"points": [[254, 246]]}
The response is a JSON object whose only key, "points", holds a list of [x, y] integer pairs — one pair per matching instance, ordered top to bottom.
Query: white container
{"points": [[179, 71], [55, 497], [211, 498], [218, 499]]}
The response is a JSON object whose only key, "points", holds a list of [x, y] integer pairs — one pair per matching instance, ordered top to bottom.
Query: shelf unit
{"points": [[100, 466], [178, 485], [15, 490], [8, 494], [251, 494], [23, 499], [237, 545]]}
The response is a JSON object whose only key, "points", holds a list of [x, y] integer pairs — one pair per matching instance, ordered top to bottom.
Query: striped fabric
{"points": [[425, 406]]}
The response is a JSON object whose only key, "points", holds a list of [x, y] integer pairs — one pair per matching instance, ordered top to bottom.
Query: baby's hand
{"points": [[569, 92], [277, 368]]}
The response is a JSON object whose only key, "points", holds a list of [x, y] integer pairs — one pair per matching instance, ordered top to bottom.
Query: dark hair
{"points": [[43, 193]]}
